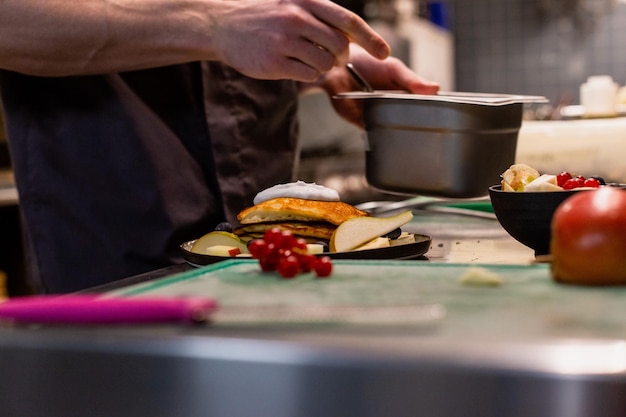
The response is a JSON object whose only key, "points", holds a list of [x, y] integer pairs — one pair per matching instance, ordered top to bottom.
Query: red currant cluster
{"points": [[566, 181], [280, 251]]}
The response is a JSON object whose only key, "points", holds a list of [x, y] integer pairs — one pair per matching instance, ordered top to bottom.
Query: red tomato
{"points": [[588, 244]]}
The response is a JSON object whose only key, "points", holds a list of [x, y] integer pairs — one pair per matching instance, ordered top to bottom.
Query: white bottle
{"points": [[598, 96]]}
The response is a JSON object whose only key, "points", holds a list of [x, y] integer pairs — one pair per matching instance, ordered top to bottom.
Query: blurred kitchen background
{"points": [[531, 47]]}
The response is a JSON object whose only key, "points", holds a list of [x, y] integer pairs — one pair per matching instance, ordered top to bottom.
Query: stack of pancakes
{"points": [[312, 220]]}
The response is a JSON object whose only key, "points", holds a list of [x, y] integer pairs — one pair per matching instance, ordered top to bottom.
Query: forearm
{"points": [[60, 37], [268, 39]]}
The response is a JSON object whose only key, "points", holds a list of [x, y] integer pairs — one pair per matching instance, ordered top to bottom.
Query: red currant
{"points": [[562, 177], [598, 178], [573, 183], [592, 183], [272, 235], [286, 240], [301, 245], [257, 248], [279, 250], [284, 253], [272, 255], [307, 261], [268, 264], [289, 266], [323, 267]]}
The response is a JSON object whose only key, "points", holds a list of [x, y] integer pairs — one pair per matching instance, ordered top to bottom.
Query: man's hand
{"points": [[265, 39], [294, 39], [388, 74]]}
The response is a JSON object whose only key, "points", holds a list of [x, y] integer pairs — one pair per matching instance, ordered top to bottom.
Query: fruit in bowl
{"points": [[524, 178], [525, 201], [526, 216]]}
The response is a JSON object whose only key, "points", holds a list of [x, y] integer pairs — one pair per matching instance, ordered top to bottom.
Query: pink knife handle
{"points": [[89, 309]]}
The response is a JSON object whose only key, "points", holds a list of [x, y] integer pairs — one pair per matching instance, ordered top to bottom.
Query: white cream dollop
{"points": [[298, 189]]}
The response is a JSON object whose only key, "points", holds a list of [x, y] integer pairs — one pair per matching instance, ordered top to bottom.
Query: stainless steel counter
{"points": [[289, 370]]}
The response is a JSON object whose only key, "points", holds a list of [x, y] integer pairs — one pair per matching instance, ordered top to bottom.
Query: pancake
{"points": [[285, 209], [315, 230]]}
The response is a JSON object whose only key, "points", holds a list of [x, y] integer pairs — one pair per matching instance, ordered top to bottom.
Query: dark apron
{"points": [[115, 171]]}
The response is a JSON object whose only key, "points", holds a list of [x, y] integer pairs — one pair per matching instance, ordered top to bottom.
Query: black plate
{"points": [[405, 252]]}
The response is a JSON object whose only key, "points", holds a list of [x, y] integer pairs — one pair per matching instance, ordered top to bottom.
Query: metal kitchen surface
{"points": [[444, 347]]}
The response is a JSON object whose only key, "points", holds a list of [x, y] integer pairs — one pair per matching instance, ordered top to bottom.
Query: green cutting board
{"points": [[405, 293]]}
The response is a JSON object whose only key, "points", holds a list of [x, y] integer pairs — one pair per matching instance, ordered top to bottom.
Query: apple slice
{"points": [[545, 182], [360, 230], [218, 238], [404, 239], [376, 243], [223, 250]]}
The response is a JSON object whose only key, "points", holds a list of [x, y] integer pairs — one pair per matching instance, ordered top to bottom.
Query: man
{"points": [[135, 125]]}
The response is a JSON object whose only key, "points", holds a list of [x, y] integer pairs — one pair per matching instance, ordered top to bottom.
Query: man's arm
{"points": [[267, 39]]}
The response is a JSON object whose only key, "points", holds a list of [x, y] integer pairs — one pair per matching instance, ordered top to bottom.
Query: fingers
{"points": [[352, 26], [296, 39], [327, 40], [315, 56], [390, 74], [405, 78], [336, 81], [422, 86], [351, 111]]}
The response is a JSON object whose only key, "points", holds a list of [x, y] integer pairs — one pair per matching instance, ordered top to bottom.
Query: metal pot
{"points": [[450, 145]]}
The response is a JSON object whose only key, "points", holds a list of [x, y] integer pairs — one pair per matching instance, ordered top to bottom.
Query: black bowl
{"points": [[526, 216]]}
